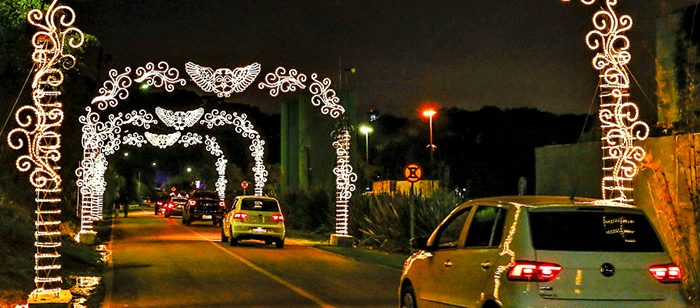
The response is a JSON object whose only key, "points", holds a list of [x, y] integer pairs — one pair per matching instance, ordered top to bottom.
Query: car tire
{"points": [[166, 215], [214, 222], [224, 238], [232, 241], [268, 242], [279, 243], [408, 297]]}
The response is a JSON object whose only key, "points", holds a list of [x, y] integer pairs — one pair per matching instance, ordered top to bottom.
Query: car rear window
{"points": [[205, 195], [259, 205], [593, 231]]}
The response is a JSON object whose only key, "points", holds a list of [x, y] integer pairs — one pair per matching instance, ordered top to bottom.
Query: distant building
{"points": [[307, 154]]}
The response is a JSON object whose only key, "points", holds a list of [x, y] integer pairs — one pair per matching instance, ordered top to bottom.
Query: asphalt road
{"points": [[158, 262]]}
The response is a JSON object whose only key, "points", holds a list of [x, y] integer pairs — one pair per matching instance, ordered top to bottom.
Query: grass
{"points": [[322, 241]]}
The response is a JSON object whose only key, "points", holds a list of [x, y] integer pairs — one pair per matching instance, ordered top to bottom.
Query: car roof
{"points": [[255, 197], [547, 201]]}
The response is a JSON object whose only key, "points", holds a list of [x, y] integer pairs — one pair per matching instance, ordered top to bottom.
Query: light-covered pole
{"points": [[429, 113]]}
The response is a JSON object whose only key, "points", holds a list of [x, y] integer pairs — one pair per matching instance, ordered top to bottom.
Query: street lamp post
{"points": [[430, 113], [366, 130]]}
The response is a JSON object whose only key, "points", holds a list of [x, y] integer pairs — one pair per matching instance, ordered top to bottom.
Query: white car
{"points": [[253, 218], [537, 251]]}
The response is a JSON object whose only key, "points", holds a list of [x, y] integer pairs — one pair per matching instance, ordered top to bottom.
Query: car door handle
{"points": [[448, 263], [486, 265]]}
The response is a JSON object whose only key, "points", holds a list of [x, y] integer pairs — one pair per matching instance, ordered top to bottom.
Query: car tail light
{"points": [[192, 202], [159, 203], [222, 203], [170, 205], [241, 216], [277, 217], [533, 271], [666, 273]]}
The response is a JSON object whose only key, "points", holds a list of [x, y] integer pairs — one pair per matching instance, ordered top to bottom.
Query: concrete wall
{"points": [[308, 156], [558, 168]]}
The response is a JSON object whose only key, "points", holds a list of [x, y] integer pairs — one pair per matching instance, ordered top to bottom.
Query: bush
{"points": [[384, 221]]}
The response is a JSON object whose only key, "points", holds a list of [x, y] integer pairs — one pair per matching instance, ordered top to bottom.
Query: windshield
{"points": [[259, 205], [593, 231]]}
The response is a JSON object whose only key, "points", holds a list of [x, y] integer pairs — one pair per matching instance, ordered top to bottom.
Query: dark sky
{"points": [[459, 53]]}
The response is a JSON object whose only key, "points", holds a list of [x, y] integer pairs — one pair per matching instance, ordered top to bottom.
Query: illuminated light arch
{"points": [[239, 79], [324, 97], [619, 117], [39, 126], [105, 137]]}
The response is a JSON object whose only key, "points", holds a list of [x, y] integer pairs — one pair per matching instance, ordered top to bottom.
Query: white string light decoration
{"points": [[162, 76], [223, 81], [279, 81], [325, 97], [619, 117], [179, 119], [39, 126], [244, 127], [190, 139], [162, 141], [221, 182], [344, 182]]}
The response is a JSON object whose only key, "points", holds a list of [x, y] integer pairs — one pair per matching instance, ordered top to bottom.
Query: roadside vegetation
{"points": [[377, 222]]}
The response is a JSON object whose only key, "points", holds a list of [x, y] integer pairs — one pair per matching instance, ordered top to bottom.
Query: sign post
{"points": [[413, 173], [244, 185]]}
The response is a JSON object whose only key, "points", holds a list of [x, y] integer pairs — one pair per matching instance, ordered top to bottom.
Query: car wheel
{"points": [[166, 215], [188, 221], [215, 222], [224, 238], [232, 241], [268, 242], [279, 243], [408, 297]]}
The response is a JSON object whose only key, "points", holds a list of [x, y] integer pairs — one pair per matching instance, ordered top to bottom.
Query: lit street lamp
{"points": [[430, 112], [366, 130], [189, 169]]}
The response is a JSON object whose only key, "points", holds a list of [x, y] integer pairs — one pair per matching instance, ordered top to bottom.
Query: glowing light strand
{"points": [[162, 76], [223, 81], [279, 81], [113, 89], [325, 97], [619, 118], [179, 119], [244, 127], [39, 128], [190, 139], [162, 141], [344, 181], [221, 182]]}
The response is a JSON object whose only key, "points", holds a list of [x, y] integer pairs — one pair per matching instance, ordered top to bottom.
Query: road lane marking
{"points": [[266, 273]]}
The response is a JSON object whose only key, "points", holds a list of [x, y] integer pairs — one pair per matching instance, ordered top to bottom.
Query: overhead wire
{"points": [[17, 100]]}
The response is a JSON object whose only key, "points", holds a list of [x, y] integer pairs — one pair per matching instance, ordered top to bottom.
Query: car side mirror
{"points": [[420, 243]]}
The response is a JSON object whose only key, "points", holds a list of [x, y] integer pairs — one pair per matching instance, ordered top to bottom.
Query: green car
{"points": [[253, 218]]}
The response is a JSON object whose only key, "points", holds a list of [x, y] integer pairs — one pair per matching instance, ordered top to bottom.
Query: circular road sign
{"points": [[413, 173], [244, 184]]}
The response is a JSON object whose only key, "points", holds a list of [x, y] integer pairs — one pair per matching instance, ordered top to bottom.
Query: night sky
{"points": [[460, 53]]}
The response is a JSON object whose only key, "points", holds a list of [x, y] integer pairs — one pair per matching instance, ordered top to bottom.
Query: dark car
{"points": [[161, 201], [203, 205], [175, 206]]}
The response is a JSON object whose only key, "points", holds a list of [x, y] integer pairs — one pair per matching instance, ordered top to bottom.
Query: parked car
{"points": [[203, 205], [175, 206], [254, 218], [538, 251]]}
